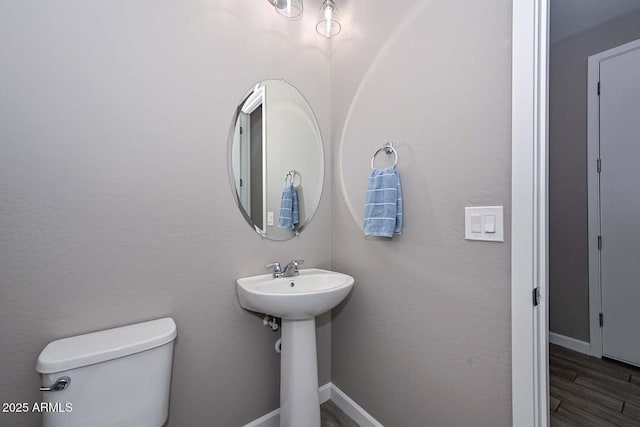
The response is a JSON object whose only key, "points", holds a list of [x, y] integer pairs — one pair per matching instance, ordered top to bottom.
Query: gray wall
{"points": [[115, 205], [568, 220], [424, 338]]}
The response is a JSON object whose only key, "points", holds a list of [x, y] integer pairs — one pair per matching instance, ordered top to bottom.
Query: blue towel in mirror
{"points": [[383, 203], [295, 209], [289, 210]]}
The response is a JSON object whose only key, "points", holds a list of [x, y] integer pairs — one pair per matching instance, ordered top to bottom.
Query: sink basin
{"points": [[305, 296]]}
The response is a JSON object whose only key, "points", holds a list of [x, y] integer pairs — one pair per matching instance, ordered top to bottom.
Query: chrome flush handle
{"points": [[60, 384]]}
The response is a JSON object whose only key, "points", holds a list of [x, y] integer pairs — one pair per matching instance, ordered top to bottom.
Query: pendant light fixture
{"points": [[290, 9], [328, 24]]}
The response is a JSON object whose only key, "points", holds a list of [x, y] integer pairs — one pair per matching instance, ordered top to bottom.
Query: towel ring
{"points": [[388, 149], [292, 174]]}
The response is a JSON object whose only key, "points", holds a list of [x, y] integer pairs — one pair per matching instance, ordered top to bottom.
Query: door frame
{"points": [[257, 98], [593, 184], [529, 220]]}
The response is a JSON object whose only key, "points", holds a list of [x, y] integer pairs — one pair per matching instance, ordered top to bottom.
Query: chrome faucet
{"points": [[290, 269]]}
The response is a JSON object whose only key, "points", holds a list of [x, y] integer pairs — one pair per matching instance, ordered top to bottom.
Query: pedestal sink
{"points": [[297, 300]]}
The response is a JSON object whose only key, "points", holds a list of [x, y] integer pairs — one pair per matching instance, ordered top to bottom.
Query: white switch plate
{"points": [[483, 212], [269, 218]]}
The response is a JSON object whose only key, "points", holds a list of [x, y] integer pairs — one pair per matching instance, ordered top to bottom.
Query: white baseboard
{"points": [[570, 343], [327, 392], [351, 408], [272, 419]]}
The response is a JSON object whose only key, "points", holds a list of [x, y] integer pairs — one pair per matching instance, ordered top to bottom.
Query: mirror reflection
{"points": [[276, 159]]}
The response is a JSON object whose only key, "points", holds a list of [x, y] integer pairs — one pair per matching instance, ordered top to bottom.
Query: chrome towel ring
{"points": [[388, 149], [289, 178]]}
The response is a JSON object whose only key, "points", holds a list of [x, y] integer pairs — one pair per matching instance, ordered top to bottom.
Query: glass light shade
{"points": [[290, 9], [328, 24]]}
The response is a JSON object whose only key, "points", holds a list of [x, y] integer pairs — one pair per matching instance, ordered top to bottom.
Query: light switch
{"points": [[269, 218], [484, 223], [476, 224], [490, 224]]}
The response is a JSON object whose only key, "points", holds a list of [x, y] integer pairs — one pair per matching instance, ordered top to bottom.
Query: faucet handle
{"points": [[297, 262], [275, 265]]}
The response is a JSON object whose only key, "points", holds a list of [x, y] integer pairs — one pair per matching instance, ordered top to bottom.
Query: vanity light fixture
{"points": [[290, 9], [328, 24]]}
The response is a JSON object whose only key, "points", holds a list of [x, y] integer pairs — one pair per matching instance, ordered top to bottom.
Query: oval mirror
{"points": [[276, 159]]}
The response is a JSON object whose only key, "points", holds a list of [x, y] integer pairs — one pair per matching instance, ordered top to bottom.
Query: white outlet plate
{"points": [[483, 212]]}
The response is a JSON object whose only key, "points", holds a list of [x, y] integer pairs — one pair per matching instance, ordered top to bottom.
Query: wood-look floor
{"points": [[589, 392], [332, 416]]}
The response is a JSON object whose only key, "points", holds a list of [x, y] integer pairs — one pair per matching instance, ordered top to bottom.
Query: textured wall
{"points": [[115, 205], [568, 219], [424, 339]]}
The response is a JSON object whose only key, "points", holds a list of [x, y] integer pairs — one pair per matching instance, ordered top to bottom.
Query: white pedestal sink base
{"points": [[302, 297], [299, 399]]}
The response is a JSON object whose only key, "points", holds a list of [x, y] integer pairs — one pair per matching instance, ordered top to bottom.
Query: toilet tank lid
{"points": [[88, 349]]}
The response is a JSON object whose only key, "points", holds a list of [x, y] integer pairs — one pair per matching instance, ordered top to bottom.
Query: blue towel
{"points": [[383, 203], [295, 209], [289, 211]]}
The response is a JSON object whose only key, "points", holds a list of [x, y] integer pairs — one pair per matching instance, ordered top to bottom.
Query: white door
{"points": [[620, 206]]}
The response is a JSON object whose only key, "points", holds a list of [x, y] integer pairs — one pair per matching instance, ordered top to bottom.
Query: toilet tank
{"points": [[118, 377]]}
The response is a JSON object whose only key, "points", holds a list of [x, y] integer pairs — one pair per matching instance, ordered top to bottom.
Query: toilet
{"points": [[113, 378]]}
